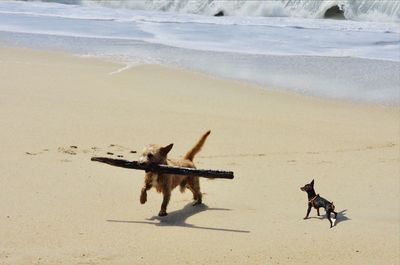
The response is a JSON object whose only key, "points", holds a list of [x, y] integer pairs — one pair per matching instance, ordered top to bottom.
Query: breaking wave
{"points": [[360, 10]]}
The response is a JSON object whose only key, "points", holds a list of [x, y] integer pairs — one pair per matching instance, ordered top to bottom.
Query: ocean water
{"points": [[284, 45]]}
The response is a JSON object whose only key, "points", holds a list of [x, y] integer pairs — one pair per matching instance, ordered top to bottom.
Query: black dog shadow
{"points": [[179, 217], [341, 217]]}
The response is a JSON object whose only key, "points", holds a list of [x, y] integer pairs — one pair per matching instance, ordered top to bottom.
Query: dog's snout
{"points": [[142, 161]]}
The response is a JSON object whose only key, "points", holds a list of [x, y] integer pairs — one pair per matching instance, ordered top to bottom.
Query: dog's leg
{"points": [[194, 187], [143, 194], [195, 196], [166, 198], [308, 211], [318, 211], [328, 215], [334, 223]]}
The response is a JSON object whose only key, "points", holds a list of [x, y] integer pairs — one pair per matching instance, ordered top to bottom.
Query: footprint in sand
{"points": [[71, 150], [111, 150], [37, 153]]}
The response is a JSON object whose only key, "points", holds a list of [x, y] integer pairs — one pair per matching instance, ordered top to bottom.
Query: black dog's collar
{"points": [[312, 201]]}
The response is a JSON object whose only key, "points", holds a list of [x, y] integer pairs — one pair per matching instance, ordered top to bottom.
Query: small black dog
{"points": [[314, 200]]}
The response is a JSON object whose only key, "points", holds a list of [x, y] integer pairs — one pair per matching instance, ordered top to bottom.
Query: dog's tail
{"points": [[197, 147]]}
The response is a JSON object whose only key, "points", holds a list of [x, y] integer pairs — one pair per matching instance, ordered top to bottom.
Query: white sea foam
{"points": [[365, 10], [97, 12], [248, 35]]}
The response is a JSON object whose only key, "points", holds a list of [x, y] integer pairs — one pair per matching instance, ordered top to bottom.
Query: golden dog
{"points": [[165, 183]]}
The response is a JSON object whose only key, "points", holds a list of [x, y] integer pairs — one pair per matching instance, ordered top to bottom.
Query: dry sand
{"points": [[58, 207]]}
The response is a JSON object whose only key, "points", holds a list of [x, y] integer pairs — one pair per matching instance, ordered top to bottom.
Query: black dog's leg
{"points": [[308, 211], [318, 211], [328, 215]]}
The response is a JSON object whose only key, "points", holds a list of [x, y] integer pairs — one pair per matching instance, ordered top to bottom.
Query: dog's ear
{"points": [[165, 150], [312, 183]]}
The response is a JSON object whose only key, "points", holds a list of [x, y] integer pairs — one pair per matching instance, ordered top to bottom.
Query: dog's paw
{"points": [[143, 198], [197, 203], [162, 213], [305, 218]]}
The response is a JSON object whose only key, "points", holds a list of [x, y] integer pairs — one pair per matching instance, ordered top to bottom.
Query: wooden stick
{"points": [[206, 173]]}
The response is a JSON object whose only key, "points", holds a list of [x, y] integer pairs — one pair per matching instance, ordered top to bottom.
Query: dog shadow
{"points": [[179, 217], [341, 217]]}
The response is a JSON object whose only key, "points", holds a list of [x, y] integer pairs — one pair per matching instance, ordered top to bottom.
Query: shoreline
{"points": [[336, 78], [254, 84], [284, 91], [58, 207]]}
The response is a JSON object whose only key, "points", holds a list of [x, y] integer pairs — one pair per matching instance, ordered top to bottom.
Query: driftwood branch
{"points": [[206, 173]]}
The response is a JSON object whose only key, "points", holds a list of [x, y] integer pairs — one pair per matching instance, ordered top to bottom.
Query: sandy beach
{"points": [[58, 207]]}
